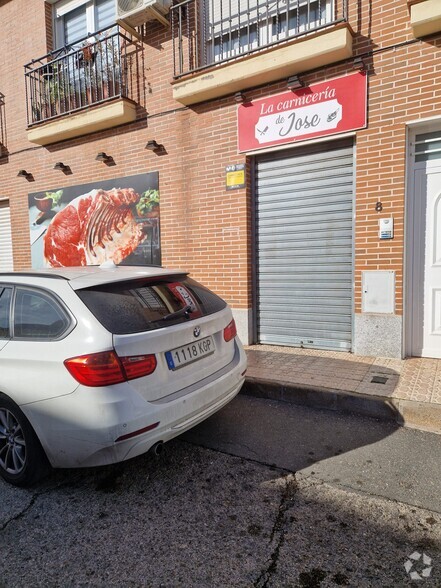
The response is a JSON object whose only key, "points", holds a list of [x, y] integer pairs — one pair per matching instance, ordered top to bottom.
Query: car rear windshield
{"points": [[146, 305]]}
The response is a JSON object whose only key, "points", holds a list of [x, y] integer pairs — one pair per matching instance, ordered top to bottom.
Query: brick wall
{"points": [[204, 228]]}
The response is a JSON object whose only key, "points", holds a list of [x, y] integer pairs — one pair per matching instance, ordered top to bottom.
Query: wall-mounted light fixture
{"points": [[358, 64], [294, 83], [240, 97], [152, 145], [107, 159], [64, 168], [24, 174]]}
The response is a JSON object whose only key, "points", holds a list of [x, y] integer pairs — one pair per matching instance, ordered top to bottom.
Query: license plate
{"points": [[177, 358]]}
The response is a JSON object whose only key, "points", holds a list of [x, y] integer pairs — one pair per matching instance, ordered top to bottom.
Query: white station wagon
{"points": [[99, 365]]}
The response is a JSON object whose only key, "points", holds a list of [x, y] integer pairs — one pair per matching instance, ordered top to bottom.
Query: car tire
{"points": [[22, 459]]}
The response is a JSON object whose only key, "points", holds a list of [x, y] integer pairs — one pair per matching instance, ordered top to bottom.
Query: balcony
{"points": [[425, 17], [223, 46], [80, 89]]}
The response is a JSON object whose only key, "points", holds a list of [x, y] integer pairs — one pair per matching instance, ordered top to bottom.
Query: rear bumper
{"points": [[80, 429]]}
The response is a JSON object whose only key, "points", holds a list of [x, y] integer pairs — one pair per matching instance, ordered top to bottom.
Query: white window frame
{"points": [[64, 7]]}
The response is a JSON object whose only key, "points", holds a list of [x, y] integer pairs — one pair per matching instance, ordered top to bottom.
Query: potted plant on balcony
{"points": [[87, 52], [109, 63], [98, 69], [84, 73], [58, 92], [53, 96]]}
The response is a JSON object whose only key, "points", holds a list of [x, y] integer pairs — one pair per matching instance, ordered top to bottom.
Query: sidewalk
{"points": [[407, 391]]}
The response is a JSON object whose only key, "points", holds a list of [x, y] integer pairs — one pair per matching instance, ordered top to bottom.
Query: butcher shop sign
{"points": [[328, 108], [92, 223]]}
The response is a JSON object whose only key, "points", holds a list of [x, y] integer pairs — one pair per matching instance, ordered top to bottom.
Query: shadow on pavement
{"points": [[286, 435], [369, 455]]}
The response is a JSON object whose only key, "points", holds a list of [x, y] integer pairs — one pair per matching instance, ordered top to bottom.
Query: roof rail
{"points": [[34, 274]]}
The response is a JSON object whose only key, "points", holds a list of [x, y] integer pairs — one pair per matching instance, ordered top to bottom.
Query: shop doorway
{"points": [[304, 246]]}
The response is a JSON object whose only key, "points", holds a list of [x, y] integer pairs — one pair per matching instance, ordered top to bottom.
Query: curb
{"points": [[407, 413]]}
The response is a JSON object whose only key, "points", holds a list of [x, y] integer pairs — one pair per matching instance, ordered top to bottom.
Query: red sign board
{"points": [[328, 108]]}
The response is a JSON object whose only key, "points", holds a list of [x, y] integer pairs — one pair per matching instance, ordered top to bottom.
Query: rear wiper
{"points": [[186, 311]]}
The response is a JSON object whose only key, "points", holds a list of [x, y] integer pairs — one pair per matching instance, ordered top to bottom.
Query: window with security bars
{"points": [[235, 27]]}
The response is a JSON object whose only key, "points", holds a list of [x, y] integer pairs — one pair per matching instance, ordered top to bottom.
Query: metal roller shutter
{"points": [[304, 205], [6, 262]]}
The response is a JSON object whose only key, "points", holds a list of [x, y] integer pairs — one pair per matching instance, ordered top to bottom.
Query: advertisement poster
{"points": [[328, 108], [90, 224]]}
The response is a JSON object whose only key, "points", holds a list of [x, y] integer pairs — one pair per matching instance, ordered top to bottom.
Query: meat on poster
{"points": [[115, 220]]}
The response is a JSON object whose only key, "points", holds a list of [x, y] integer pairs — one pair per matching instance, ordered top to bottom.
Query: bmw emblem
{"points": [[197, 331]]}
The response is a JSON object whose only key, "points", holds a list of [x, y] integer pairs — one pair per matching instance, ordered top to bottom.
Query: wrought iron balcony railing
{"points": [[209, 32], [91, 71]]}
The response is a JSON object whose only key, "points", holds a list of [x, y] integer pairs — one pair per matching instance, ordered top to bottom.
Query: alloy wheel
{"points": [[12, 443]]}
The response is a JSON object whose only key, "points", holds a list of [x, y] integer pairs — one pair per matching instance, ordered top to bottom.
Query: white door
{"points": [[432, 265], [425, 269]]}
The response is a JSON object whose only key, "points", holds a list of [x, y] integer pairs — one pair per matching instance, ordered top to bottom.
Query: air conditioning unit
{"points": [[136, 12]]}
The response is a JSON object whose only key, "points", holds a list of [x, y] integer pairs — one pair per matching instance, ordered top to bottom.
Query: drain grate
{"points": [[379, 380]]}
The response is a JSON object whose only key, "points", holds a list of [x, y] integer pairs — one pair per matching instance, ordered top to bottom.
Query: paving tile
{"points": [[413, 379], [348, 385], [436, 391]]}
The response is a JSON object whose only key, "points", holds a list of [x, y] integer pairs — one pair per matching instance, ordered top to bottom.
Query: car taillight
{"points": [[230, 331], [137, 366], [106, 368]]}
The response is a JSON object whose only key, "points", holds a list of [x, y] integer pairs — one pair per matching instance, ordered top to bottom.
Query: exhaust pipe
{"points": [[157, 448]]}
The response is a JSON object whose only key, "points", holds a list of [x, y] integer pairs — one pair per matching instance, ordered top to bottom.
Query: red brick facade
{"points": [[205, 228]]}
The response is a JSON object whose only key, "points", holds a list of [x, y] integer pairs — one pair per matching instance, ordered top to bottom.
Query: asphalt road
{"points": [[373, 456], [246, 511]]}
